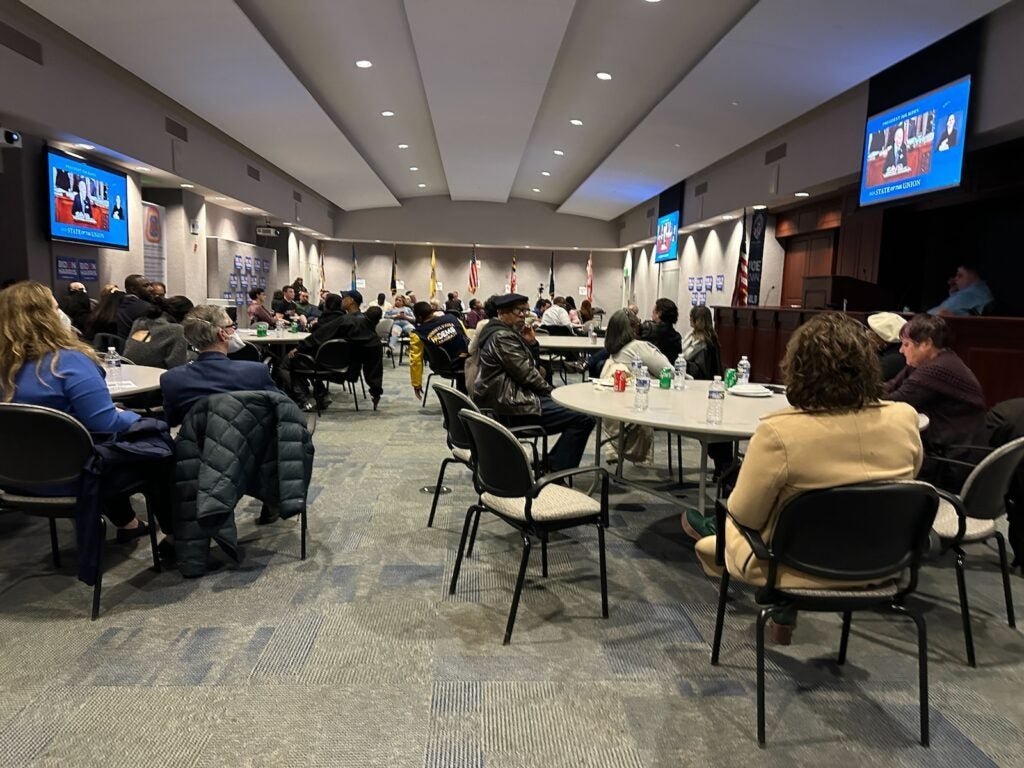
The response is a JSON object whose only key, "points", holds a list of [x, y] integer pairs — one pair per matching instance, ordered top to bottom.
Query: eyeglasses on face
{"points": [[521, 311], [230, 326]]}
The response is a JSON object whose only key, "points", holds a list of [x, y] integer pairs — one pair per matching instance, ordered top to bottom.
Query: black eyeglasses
{"points": [[521, 311], [231, 326]]}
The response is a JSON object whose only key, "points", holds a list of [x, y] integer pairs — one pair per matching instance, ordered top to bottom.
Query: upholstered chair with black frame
{"points": [[383, 332], [335, 361], [442, 365], [536, 508], [970, 517], [870, 533]]}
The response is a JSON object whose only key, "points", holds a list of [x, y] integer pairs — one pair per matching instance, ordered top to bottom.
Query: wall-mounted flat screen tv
{"points": [[916, 147], [88, 202], [668, 233]]}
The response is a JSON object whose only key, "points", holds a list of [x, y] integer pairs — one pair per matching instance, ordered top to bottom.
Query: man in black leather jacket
{"points": [[509, 383]]}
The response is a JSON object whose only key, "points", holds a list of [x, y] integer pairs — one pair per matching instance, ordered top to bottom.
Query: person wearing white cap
{"points": [[885, 333]]}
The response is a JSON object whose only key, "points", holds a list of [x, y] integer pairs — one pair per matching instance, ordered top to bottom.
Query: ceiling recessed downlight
{"points": [[364, 63], [603, 76], [387, 113], [575, 121], [403, 146], [559, 152], [142, 168], [413, 168], [545, 173], [187, 186], [422, 186], [536, 189], [801, 194], [219, 198], [759, 207], [286, 223]]}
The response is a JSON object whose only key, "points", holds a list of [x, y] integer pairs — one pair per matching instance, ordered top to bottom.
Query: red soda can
{"points": [[620, 381]]}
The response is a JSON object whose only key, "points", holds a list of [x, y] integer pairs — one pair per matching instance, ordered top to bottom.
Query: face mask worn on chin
{"points": [[235, 344]]}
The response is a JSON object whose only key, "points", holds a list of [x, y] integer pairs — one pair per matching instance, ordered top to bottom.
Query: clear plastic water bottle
{"points": [[592, 334], [112, 362], [743, 371], [679, 374], [642, 388], [716, 401]]}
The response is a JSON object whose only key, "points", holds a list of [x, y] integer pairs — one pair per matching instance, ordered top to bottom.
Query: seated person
{"points": [[968, 294], [137, 301], [381, 302], [76, 305], [542, 306], [286, 307], [570, 307], [309, 311], [258, 312], [490, 312], [475, 314], [556, 314], [104, 315], [403, 317], [341, 320], [660, 329], [210, 330], [441, 330], [885, 336], [157, 338], [700, 346], [42, 362], [509, 383], [939, 384], [838, 431]]}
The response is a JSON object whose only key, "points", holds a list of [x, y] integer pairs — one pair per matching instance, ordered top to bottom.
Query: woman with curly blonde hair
{"points": [[42, 362], [837, 431]]}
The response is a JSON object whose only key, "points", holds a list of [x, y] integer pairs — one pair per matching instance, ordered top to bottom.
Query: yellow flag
{"points": [[433, 274]]}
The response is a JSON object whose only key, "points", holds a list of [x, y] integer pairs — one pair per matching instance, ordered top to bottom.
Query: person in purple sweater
{"points": [[42, 362]]}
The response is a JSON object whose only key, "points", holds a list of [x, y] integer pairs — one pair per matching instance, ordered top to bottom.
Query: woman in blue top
{"points": [[42, 362]]}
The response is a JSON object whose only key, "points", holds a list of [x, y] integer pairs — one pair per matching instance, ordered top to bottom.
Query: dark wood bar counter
{"points": [[993, 347]]}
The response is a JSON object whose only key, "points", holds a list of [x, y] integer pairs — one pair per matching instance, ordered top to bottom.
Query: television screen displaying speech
{"points": [[916, 147], [88, 203], [668, 233]]}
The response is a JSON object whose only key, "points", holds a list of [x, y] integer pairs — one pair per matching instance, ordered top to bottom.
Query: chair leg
{"points": [[362, 384], [426, 390], [355, 397], [668, 436], [679, 457], [437, 491], [303, 527], [472, 536], [152, 537], [54, 545], [462, 545], [544, 555], [604, 570], [98, 586], [519, 590], [723, 592], [1007, 592], [965, 611], [762, 619], [845, 639], [922, 666]]}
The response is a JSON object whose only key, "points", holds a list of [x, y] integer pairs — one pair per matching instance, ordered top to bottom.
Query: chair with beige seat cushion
{"points": [[534, 507], [970, 518]]}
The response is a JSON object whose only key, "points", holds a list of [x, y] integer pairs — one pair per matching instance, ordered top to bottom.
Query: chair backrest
{"points": [[384, 327], [558, 330], [102, 341], [250, 352], [336, 355], [438, 359], [452, 404], [51, 447], [501, 467], [984, 491], [856, 532]]}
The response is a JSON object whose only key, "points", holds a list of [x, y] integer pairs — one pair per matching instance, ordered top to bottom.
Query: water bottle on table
{"points": [[112, 362], [743, 371], [679, 375], [642, 388], [716, 402]]}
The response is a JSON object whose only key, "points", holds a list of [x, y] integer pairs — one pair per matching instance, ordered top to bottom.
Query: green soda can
{"points": [[295, 327], [730, 378], [665, 380]]}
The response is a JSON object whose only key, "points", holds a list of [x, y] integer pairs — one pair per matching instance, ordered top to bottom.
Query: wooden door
{"points": [[806, 256]]}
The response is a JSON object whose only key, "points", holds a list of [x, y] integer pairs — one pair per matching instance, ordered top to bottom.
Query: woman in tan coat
{"points": [[836, 432]]}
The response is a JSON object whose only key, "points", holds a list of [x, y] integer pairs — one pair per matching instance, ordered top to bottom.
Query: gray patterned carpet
{"points": [[358, 656]]}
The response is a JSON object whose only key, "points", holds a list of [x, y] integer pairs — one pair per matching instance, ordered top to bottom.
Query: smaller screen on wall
{"points": [[88, 203], [668, 233]]}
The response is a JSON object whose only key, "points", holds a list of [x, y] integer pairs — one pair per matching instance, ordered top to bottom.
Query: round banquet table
{"points": [[272, 337], [568, 343], [136, 379]]}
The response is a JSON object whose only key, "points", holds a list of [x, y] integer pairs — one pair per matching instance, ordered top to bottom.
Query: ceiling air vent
{"points": [[21, 43], [176, 129], [775, 154], [254, 173], [700, 189], [297, 197], [650, 212]]}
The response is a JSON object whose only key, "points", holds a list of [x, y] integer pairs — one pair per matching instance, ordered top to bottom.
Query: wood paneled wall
{"points": [[991, 346]]}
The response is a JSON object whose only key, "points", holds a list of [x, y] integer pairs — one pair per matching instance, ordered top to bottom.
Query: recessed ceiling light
{"points": [[653, 1], [364, 63], [603, 76], [735, 103], [387, 113], [574, 121], [84, 146], [403, 146], [677, 146], [559, 152], [142, 168], [413, 168], [545, 173], [187, 186], [422, 186], [536, 189], [802, 194], [759, 207], [246, 208], [727, 217], [286, 223], [376, 241], [526, 246], [575, 247]]}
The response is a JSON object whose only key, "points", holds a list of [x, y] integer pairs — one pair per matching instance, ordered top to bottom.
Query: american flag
{"points": [[394, 272], [474, 274], [590, 277], [512, 281], [739, 292]]}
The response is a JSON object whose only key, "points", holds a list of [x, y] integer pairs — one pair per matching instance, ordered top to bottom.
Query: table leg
{"points": [[597, 442], [702, 483]]}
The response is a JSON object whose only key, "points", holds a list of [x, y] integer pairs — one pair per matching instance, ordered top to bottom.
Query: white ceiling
{"points": [[483, 90]]}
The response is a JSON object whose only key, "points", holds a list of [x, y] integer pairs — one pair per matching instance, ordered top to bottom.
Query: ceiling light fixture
{"points": [[653, 1], [364, 63], [603, 76], [735, 103], [387, 113], [576, 122], [84, 146], [403, 146], [677, 146], [559, 152], [142, 168], [413, 168], [545, 173], [187, 186], [422, 186], [536, 189], [801, 194], [220, 198], [759, 207], [246, 208], [727, 217], [286, 223]]}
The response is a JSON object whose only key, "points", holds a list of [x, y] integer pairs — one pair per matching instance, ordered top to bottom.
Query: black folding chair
{"points": [[101, 342], [335, 361], [442, 365], [51, 449], [507, 488], [871, 532]]}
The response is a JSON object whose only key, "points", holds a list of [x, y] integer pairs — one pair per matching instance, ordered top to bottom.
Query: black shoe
{"points": [[376, 399], [323, 402], [267, 516], [125, 535], [165, 549]]}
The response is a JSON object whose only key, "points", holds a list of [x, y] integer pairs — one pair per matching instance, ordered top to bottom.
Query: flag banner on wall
{"points": [[758, 224], [154, 245], [354, 267], [323, 270], [394, 272], [433, 274], [474, 274], [551, 277], [590, 277], [627, 277], [513, 282], [739, 291]]}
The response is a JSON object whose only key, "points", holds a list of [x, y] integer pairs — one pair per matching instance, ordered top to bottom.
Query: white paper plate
{"points": [[750, 390]]}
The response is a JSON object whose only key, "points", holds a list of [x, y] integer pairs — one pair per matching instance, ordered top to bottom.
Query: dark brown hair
{"points": [[703, 326], [927, 328], [830, 365]]}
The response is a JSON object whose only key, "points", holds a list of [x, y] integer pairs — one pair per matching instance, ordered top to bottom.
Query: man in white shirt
{"points": [[556, 314]]}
